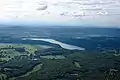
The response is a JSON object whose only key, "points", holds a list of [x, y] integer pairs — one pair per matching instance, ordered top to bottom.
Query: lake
{"points": [[63, 45]]}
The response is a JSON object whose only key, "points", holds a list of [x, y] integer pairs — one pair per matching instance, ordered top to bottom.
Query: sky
{"points": [[104, 13]]}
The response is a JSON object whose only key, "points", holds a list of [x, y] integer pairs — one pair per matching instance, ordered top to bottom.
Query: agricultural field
{"points": [[10, 51]]}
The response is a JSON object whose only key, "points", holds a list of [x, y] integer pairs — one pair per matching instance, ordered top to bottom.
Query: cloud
{"points": [[43, 7], [63, 10]]}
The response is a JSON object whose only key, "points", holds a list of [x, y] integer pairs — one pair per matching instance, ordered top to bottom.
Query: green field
{"points": [[9, 52]]}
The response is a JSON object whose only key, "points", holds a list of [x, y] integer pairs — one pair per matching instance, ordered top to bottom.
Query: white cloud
{"points": [[63, 10]]}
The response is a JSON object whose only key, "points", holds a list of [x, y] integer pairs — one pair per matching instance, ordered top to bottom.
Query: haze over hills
{"points": [[82, 37]]}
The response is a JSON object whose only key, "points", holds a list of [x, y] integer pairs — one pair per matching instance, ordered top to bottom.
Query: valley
{"points": [[35, 56]]}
